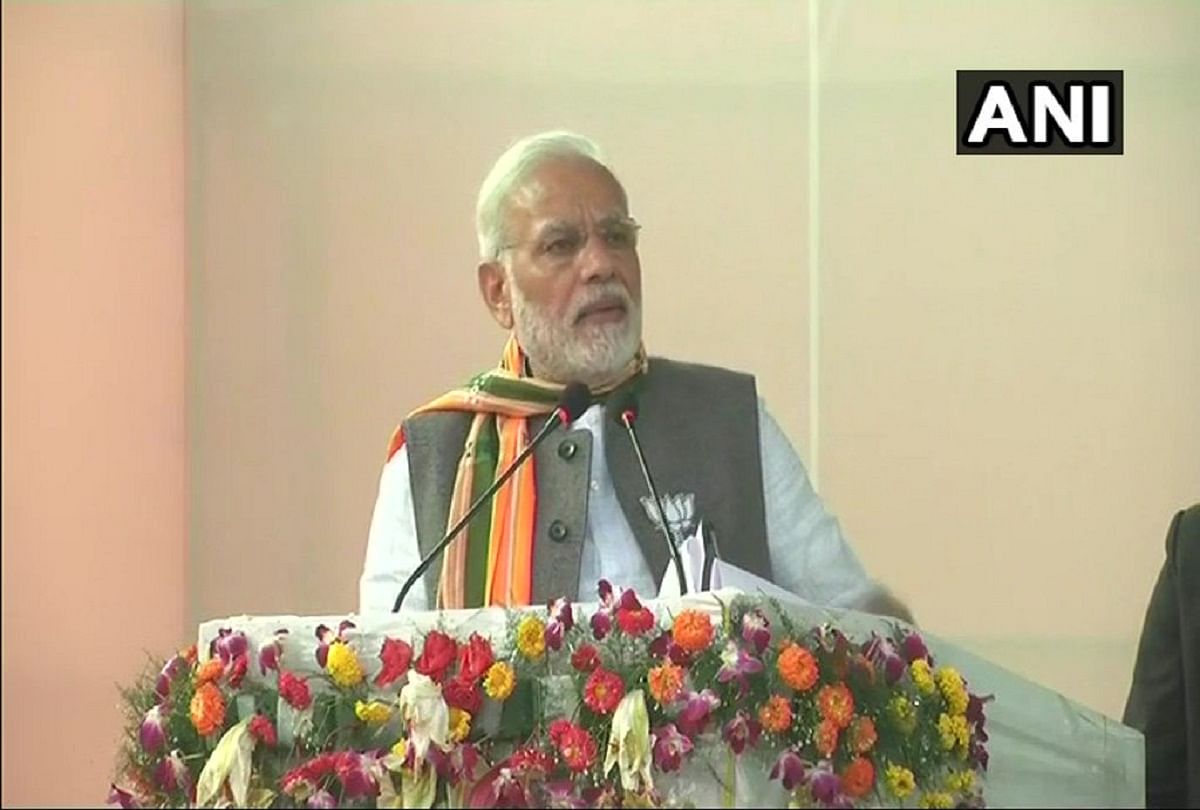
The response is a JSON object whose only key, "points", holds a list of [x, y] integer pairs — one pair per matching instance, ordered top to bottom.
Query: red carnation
{"points": [[633, 617], [438, 655], [396, 656], [474, 658], [586, 658], [238, 671], [294, 691], [603, 691], [464, 695], [261, 729], [578, 749]]}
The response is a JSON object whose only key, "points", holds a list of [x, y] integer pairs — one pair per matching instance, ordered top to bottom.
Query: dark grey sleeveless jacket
{"points": [[698, 426]]}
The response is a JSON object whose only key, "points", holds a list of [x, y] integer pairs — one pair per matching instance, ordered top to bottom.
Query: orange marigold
{"points": [[692, 630], [798, 667], [209, 671], [666, 682], [837, 704], [208, 709], [776, 714], [863, 735], [827, 738], [858, 777]]}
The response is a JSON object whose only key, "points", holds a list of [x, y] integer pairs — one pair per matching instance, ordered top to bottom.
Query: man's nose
{"points": [[597, 261]]}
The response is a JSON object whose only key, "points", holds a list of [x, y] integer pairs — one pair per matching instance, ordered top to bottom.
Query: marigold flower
{"points": [[692, 630], [531, 637], [342, 665], [798, 667], [209, 671], [922, 676], [499, 681], [665, 682], [950, 683], [603, 691], [836, 703], [208, 709], [375, 713], [903, 713], [776, 714], [460, 724], [953, 731], [862, 735], [827, 737], [858, 777], [900, 780], [960, 781], [936, 798]]}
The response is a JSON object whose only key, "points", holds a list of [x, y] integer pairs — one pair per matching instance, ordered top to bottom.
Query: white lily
{"points": [[425, 712], [629, 745], [230, 762]]}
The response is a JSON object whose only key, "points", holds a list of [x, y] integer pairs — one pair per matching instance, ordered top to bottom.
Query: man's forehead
{"points": [[569, 192]]}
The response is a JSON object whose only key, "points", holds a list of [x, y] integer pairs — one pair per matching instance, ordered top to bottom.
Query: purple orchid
{"points": [[604, 589], [561, 612], [601, 625], [756, 630], [554, 635], [228, 645], [661, 645], [913, 648], [270, 652], [736, 664], [171, 670], [698, 707], [741, 731], [153, 732], [670, 747], [792, 769], [172, 773], [357, 774], [825, 785], [562, 794], [118, 797], [321, 800]]}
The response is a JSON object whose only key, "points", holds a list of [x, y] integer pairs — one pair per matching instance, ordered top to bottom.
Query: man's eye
{"points": [[562, 246]]}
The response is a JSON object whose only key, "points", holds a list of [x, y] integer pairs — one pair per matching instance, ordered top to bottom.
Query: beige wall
{"points": [[1002, 400], [93, 445]]}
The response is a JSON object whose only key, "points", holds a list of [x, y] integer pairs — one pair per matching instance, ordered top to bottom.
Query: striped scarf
{"points": [[491, 560]]}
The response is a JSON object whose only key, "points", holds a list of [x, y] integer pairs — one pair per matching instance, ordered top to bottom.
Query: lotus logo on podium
{"points": [[681, 513]]}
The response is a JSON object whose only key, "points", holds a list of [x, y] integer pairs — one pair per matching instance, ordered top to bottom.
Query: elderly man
{"points": [[559, 271]]}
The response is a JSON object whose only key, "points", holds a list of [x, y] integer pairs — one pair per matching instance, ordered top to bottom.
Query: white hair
{"points": [[510, 172]]}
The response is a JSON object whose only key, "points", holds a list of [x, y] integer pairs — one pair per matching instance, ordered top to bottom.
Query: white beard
{"points": [[591, 354]]}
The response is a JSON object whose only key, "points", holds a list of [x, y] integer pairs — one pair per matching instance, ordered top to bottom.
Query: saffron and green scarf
{"points": [[491, 560]]}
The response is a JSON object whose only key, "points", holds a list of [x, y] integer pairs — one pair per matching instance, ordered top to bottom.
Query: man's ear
{"points": [[497, 294]]}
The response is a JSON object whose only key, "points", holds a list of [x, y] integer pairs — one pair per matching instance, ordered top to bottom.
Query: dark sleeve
{"points": [[1156, 698]]}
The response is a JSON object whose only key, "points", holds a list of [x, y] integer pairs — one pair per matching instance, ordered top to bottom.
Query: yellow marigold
{"points": [[692, 630], [531, 637], [342, 665], [797, 667], [209, 671], [922, 676], [499, 681], [666, 682], [951, 685], [208, 709], [375, 713], [903, 713], [776, 714], [460, 724], [953, 731], [400, 749], [900, 780], [960, 781], [936, 798]]}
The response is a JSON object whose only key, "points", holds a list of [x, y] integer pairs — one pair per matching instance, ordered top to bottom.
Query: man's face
{"points": [[570, 281]]}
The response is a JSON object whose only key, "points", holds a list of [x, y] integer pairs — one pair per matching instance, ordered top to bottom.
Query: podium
{"points": [[715, 699]]}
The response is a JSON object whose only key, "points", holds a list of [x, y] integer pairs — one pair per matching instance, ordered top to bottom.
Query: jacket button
{"points": [[567, 449], [558, 531]]}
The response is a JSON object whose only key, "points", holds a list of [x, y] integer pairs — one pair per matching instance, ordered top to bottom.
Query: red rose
{"points": [[396, 656], [437, 656], [474, 658], [585, 659], [294, 691], [463, 695]]}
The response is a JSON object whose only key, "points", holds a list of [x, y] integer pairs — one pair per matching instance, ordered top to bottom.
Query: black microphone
{"points": [[574, 401], [626, 414]]}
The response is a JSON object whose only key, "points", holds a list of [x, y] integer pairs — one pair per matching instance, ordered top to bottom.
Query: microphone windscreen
{"points": [[576, 398], [624, 402]]}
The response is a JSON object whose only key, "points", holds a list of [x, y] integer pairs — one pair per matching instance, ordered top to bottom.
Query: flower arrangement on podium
{"points": [[621, 706]]}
